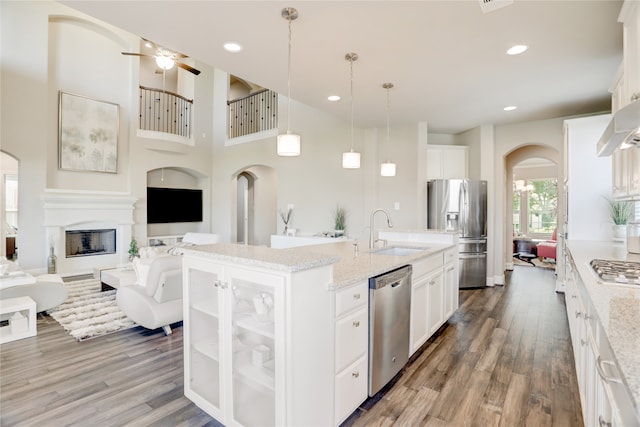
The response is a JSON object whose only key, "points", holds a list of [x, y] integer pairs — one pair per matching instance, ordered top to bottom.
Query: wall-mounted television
{"points": [[166, 205]]}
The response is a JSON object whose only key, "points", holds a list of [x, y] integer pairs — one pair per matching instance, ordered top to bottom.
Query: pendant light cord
{"points": [[289, 79], [351, 94], [388, 109]]}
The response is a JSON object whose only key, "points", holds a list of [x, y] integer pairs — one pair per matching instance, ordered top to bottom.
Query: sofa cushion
{"points": [[157, 267]]}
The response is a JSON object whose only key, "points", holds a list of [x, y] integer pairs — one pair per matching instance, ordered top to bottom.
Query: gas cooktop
{"points": [[618, 272]]}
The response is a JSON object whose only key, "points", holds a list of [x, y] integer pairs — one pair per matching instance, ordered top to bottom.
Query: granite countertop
{"points": [[349, 266], [617, 307]]}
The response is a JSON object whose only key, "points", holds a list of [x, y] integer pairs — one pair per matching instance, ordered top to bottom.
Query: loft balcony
{"points": [[252, 114], [165, 115]]}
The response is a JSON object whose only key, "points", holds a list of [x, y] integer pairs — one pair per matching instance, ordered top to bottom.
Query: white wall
{"points": [[589, 178]]}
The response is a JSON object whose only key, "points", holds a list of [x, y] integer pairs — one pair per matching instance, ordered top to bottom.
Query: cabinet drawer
{"points": [[449, 255], [424, 266], [352, 297], [351, 338], [351, 389]]}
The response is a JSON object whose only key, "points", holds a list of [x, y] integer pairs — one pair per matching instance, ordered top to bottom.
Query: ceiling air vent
{"points": [[491, 5]]}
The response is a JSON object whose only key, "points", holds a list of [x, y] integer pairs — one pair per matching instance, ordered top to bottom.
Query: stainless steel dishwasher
{"points": [[389, 317]]}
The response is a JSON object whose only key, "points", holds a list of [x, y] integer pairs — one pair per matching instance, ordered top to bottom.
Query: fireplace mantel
{"points": [[80, 210]]}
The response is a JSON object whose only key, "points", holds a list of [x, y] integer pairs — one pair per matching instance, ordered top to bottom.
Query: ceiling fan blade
{"points": [[136, 54], [188, 68]]}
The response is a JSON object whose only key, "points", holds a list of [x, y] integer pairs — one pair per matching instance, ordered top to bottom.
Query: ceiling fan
{"points": [[165, 58]]}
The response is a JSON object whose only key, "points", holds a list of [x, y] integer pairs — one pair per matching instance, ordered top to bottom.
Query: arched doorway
{"points": [[525, 166], [254, 205], [9, 206], [244, 219]]}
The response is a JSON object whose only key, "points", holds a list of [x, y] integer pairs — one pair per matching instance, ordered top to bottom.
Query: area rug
{"points": [[536, 263], [88, 313]]}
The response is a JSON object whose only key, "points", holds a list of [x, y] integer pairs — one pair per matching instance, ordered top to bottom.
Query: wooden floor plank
{"points": [[515, 405]]}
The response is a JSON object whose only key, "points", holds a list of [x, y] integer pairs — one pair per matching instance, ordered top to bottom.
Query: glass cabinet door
{"points": [[255, 310], [202, 335]]}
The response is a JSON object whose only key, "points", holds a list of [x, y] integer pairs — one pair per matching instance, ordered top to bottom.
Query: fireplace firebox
{"points": [[90, 242]]}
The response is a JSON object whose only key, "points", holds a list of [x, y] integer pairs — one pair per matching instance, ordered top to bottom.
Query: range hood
{"points": [[623, 130]]}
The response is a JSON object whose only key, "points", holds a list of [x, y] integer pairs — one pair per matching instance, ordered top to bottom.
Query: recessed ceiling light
{"points": [[232, 47], [517, 49], [333, 98], [510, 108]]}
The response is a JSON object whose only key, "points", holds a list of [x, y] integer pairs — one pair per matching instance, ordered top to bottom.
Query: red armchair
{"points": [[547, 249]]}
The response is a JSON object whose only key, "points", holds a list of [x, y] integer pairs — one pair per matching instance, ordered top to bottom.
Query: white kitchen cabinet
{"points": [[630, 18], [626, 89], [447, 162], [626, 173], [450, 277], [428, 296], [435, 300], [351, 323], [419, 331], [227, 333], [248, 354], [594, 365]]}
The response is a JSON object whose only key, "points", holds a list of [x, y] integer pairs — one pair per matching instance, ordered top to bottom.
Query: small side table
{"points": [[116, 277], [25, 306]]}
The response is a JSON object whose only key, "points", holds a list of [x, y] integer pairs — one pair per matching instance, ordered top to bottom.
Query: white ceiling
{"points": [[446, 58]]}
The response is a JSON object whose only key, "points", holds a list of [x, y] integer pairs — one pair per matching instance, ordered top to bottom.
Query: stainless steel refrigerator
{"points": [[460, 205]]}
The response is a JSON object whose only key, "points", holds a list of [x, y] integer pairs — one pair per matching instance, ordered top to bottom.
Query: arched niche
{"points": [[179, 178]]}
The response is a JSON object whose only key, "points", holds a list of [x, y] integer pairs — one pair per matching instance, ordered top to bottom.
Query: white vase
{"points": [[620, 232]]}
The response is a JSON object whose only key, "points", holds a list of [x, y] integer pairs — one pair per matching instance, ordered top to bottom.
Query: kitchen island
{"points": [[605, 330], [280, 336]]}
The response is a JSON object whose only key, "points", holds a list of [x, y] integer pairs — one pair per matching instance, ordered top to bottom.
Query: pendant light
{"points": [[289, 144], [351, 159], [387, 168]]}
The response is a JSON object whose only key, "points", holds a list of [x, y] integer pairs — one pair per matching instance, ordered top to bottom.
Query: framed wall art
{"points": [[88, 134]]}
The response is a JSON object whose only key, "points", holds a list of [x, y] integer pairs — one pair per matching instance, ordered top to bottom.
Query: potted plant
{"points": [[621, 212], [339, 221], [133, 250]]}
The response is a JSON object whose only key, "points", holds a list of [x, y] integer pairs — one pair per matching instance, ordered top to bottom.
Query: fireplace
{"points": [[88, 229], [90, 242]]}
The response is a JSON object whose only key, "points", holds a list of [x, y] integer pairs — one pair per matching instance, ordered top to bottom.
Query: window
{"points": [[535, 207], [515, 208]]}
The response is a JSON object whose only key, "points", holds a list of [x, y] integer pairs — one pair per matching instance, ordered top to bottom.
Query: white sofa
{"points": [[48, 292], [156, 299]]}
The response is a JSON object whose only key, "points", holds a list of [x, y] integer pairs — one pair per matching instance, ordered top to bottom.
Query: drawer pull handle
{"points": [[431, 283], [356, 296], [578, 314], [356, 323], [583, 342], [355, 374], [603, 375]]}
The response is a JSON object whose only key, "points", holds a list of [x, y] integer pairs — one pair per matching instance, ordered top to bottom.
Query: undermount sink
{"points": [[398, 251]]}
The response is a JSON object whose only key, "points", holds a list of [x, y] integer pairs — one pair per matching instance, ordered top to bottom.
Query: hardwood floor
{"points": [[503, 359]]}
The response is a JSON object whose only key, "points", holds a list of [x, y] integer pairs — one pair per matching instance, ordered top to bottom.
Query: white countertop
{"points": [[349, 266], [617, 307]]}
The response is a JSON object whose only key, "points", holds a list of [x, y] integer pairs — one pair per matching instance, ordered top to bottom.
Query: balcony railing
{"points": [[164, 111], [253, 113]]}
